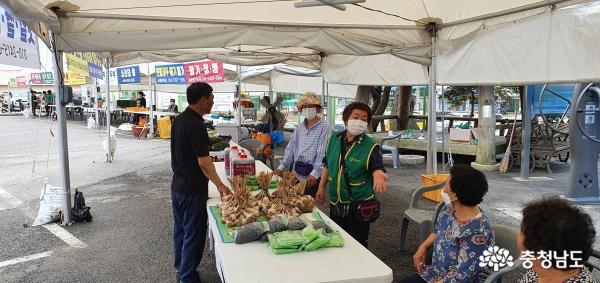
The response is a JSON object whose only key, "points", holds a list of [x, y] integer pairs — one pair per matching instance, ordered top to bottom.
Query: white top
{"points": [[254, 262]]}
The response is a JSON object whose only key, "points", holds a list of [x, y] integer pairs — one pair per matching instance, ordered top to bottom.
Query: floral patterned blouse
{"points": [[457, 248], [582, 277]]}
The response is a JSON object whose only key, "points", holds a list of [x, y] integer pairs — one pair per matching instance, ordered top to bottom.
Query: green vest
{"points": [[357, 161]]}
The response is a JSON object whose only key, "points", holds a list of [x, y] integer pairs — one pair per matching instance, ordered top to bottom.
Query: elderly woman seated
{"points": [[462, 233], [555, 241]]}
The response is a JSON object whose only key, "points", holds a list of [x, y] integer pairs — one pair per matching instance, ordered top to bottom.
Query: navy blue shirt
{"points": [[189, 140]]}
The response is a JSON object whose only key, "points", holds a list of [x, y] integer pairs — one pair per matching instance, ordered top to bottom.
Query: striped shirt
{"points": [[307, 145]]}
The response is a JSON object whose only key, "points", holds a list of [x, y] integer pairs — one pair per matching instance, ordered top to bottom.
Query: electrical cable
{"points": [[388, 14]]}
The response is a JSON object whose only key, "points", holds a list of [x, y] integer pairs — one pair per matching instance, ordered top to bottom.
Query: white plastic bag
{"points": [[27, 112], [91, 123], [51, 200]]}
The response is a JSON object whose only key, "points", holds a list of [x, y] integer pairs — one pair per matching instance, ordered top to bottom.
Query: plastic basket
{"points": [[164, 127], [430, 180]]}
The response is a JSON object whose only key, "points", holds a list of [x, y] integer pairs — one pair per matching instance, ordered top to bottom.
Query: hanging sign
{"points": [[18, 43], [85, 63], [95, 71], [204, 71], [170, 74], [128, 75], [36, 78], [44, 78], [47, 78], [74, 78], [21, 81], [12, 82]]}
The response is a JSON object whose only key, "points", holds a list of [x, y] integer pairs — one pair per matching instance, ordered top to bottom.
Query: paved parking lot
{"points": [[130, 237]]}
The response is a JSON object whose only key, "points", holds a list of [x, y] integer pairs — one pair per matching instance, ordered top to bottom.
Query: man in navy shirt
{"points": [[192, 169]]}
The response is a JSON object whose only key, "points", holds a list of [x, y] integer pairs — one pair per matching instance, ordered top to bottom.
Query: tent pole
{"points": [[95, 91], [271, 98], [239, 100], [107, 107], [431, 116], [151, 118], [526, 133], [63, 146]]}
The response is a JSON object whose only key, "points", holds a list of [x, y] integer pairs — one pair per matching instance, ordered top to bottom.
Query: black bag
{"points": [[366, 211], [80, 212]]}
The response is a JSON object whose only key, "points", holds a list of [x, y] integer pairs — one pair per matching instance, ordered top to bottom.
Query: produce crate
{"points": [[430, 180]]}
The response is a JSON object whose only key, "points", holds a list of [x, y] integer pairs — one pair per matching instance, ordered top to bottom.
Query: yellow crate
{"points": [[164, 127], [430, 180]]}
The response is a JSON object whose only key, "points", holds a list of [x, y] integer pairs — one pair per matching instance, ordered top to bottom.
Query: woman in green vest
{"points": [[364, 174]]}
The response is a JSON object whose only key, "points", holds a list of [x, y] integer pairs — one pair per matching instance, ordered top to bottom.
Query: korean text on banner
{"points": [[18, 43], [77, 65], [95, 71], [205, 71], [170, 74], [128, 75], [36, 78], [47, 78], [74, 79], [21, 81]]}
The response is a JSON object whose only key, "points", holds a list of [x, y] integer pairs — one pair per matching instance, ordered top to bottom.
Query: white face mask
{"points": [[309, 113], [357, 127], [446, 198]]}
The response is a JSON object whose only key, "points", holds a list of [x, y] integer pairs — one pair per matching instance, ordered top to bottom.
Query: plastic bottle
{"points": [[229, 152], [243, 164]]}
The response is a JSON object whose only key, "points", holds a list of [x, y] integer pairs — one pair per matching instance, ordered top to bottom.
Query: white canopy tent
{"points": [[473, 41]]}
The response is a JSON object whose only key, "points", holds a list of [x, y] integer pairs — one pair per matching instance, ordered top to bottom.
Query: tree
{"points": [[458, 95], [380, 96]]}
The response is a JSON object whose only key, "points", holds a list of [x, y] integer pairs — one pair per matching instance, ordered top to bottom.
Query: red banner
{"points": [[204, 71], [36, 78], [21, 81]]}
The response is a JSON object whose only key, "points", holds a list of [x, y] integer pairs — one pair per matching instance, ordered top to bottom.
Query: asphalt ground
{"points": [[129, 239]]}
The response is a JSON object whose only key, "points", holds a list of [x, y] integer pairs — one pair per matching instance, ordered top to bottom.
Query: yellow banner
{"points": [[77, 65], [74, 79]]}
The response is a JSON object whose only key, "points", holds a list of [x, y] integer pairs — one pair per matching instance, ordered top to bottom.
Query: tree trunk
{"points": [[363, 94], [376, 95], [384, 99], [405, 107], [396, 110], [486, 143]]}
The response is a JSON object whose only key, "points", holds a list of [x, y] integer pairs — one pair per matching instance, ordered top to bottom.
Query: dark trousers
{"points": [[312, 190], [358, 230], [189, 234], [413, 278]]}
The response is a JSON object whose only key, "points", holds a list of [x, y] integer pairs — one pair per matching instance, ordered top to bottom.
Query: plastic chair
{"points": [[393, 149], [425, 218], [506, 238]]}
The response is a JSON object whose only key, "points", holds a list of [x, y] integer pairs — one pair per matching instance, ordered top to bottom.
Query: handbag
{"points": [[303, 169], [365, 211]]}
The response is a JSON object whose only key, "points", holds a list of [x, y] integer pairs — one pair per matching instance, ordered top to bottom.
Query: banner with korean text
{"points": [[18, 43]]}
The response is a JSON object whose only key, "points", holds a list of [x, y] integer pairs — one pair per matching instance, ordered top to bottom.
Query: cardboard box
{"points": [[460, 135]]}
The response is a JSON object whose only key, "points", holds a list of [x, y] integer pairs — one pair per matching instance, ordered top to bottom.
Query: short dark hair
{"points": [[196, 91], [141, 92], [172, 99], [356, 105], [468, 184], [553, 224]]}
